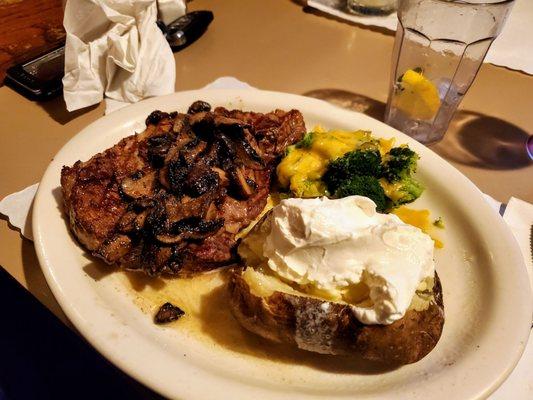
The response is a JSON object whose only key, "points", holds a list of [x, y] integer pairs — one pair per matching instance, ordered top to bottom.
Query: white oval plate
{"points": [[486, 291]]}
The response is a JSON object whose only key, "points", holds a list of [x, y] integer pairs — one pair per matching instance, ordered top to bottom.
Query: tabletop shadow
{"points": [[351, 101], [57, 110], [485, 142], [218, 323]]}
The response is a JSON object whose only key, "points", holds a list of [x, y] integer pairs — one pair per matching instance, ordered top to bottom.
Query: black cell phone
{"points": [[186, 29], [40, 78]]}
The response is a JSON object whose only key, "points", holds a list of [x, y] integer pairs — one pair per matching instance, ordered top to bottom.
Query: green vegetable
{"points": [[306, 141], [354, 163], [399, 163], [367, 186], [409, 191], [439, 223]]}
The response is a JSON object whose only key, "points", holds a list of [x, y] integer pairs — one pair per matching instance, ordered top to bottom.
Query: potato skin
{"points": [[332, 328]]}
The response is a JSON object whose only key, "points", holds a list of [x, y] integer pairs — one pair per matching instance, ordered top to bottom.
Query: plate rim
{"points": [[97, 341]]}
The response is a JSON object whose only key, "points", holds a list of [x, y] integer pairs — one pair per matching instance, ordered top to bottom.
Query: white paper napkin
{"points": [[115, 49], [512, 49], [17, 208], [518, 215], [519, 386]]}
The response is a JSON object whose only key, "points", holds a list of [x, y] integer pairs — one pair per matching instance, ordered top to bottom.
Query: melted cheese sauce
{"points": [[301, 169], [419, 218]]}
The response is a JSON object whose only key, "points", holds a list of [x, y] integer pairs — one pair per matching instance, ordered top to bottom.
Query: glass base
{"points": [[365, 8], [425, 132]]}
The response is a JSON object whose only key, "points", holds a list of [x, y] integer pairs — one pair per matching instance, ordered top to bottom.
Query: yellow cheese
{"points": [[301, 169], [420, 219]]}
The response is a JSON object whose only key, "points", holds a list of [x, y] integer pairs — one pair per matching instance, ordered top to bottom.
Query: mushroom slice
{"points": [[199, 106], [155, 117], [181, 124], [239, 132], [158, 147], [191, 151], [176, 174], [221, 175], [201, 181], [139, 185], [244, 185], [141, 204], [127, 221], [155, 221], [138, 223], [190, 228], [196, 228], [169, 238], [115, 248], [155, 257], [168, 312]]}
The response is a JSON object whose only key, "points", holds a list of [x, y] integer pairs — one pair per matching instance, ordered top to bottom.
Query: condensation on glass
{"points": [[444, 42]]}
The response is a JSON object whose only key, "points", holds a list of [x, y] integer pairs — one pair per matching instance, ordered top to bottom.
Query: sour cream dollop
{"points": [[333, 244]]}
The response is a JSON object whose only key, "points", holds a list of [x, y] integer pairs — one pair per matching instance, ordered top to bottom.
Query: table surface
{"points": [[28, 28], [278, 45]]}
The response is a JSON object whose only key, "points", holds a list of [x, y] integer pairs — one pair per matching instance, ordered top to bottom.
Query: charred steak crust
{"points": [[172, 198]]}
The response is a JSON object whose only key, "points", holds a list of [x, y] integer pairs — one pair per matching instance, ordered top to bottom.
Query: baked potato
{"points": [[265, 305]]}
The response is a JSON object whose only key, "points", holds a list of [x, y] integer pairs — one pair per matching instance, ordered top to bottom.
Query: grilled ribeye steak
{"points": [[172, 198]]}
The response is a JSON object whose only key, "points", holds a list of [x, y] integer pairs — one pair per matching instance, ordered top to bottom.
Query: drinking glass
{"points": [[371, 7], [439, 47]]}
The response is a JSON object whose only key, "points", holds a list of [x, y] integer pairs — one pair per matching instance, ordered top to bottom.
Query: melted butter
{"points": [[419, 218], [205, 300]]}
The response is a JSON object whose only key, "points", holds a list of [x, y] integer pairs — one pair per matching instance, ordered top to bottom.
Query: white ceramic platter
{"points": [[486, 291]]}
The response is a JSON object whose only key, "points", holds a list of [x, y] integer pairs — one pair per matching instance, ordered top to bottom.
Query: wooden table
{"points": [[28, 28], [277, 45]]}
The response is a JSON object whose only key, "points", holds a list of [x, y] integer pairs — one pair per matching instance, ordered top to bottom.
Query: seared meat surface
{"points": [[172, 198]]}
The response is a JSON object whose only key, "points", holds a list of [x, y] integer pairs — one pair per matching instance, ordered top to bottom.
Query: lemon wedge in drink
{"points": [[417, 96]]}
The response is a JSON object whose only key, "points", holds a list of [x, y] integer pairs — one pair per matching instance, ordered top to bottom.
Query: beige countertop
{"points": [[277, 45]]}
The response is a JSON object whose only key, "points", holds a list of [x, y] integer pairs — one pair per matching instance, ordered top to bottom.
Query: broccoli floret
{"points": [[306, 141], [354, 163], [399, 163], [398, 166], [367, 186], [407, 192]]}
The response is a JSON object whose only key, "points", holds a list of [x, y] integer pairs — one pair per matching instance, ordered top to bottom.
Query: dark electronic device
{"points": [[186, 29], [40, 78]]}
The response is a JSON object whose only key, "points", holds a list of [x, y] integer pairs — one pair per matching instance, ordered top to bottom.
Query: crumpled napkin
{"points": [[115, 49], [17, 208]]}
